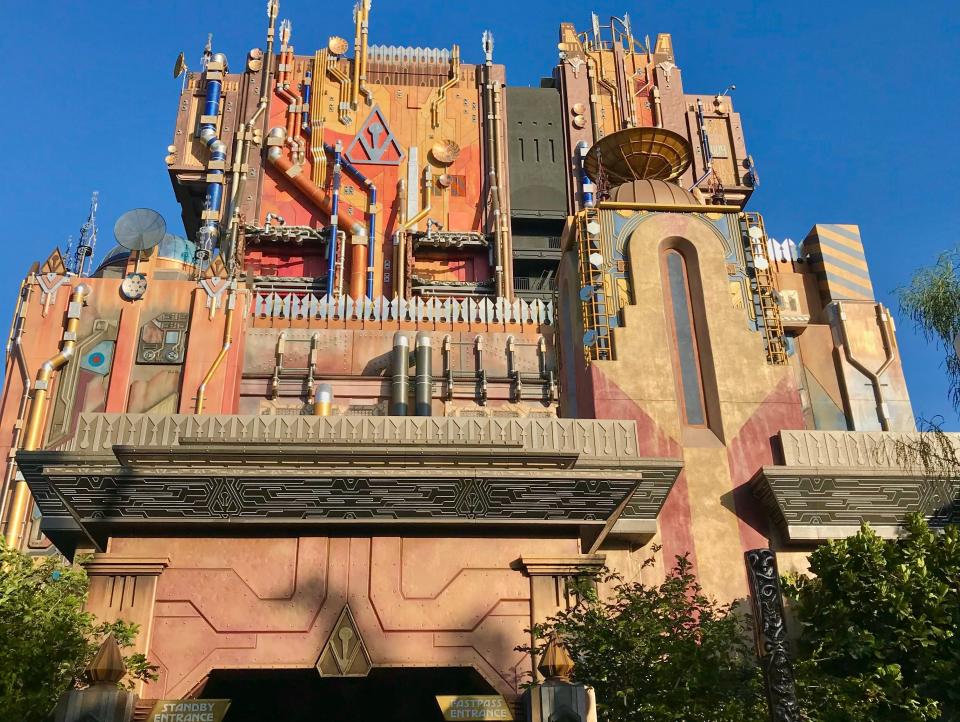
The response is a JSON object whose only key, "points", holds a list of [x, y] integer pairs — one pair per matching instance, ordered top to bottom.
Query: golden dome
{"points": [[653, 191]]}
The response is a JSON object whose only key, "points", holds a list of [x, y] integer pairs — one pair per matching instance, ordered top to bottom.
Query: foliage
{"points": [[932, 301], [880, 637], [46, 638], [659, 653]]}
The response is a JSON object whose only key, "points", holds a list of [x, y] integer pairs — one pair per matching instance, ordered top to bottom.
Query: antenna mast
{"points": [[88, 237]]}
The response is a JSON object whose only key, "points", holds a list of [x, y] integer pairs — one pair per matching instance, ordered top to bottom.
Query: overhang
{"points": [[137, 474]]}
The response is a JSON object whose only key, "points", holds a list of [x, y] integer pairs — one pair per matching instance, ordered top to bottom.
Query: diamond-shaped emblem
{"points": [[375, 143], [344, 654]]}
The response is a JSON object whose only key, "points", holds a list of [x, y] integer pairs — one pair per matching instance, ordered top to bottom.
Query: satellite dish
{"points": [[179, 66], [140, 229]]}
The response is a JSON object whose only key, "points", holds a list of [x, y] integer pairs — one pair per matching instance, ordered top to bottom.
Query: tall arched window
{"points": [[683, 330]]}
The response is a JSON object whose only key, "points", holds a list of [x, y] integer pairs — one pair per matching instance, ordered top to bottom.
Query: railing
{"points": [[532, 283], [294, 303]]}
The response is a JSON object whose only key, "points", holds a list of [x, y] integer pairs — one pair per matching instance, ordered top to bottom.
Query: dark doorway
{"points": [[385, 695]]}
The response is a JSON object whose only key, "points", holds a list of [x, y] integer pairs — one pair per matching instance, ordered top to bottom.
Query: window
{"points": [[680, 319]]}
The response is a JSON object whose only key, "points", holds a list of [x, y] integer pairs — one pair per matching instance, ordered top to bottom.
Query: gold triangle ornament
{"points": [[344, 654]]}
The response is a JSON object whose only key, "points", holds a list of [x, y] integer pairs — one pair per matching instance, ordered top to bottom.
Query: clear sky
{"points": [[849, 107]]}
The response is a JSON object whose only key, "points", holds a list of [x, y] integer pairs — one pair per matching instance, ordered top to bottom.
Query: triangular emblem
{"points": [[375, 143], [54, 264], [344, 654]]}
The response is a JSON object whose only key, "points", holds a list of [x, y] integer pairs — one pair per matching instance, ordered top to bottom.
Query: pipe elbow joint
{"points": [[208, 135], [82, 291]]}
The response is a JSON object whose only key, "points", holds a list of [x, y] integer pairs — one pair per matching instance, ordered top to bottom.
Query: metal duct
{"points": [[400, 376], [423, 386], [323, 400]]}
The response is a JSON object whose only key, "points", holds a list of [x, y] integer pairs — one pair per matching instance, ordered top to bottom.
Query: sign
{"points": [[457, 707], [190, 710]]}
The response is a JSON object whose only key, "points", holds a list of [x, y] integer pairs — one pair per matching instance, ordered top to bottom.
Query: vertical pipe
{"points": [[210, 229], [372, 241], [358, 265], [331, 270], [400, 375], [423, 384], [323, 400], [33, 433]]}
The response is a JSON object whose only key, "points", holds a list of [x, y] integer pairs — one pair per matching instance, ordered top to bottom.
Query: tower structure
{"points": [[430, 347]]}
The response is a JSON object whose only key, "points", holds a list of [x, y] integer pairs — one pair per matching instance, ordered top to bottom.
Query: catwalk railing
{"points": [[304, 304]]}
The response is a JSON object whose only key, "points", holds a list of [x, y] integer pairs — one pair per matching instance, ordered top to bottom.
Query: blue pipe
{"points": [[305, 125], [586, 184], [333, 223], [372, 223], [210, 228], [371, 239]]}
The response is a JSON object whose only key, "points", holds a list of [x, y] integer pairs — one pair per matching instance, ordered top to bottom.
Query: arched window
{"points": [[681, 320]]}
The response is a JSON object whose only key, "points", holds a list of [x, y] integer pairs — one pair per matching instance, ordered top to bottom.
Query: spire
{"points": [[555, 662], [107, 666]]}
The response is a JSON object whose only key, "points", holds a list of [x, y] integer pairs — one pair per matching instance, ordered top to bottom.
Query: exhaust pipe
{"points": [[400, 383], [423, 387], [323, 400]]}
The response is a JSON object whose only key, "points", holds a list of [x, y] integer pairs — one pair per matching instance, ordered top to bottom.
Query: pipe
{"points": [[364, 36], [355, 83], [657, 111], [241, 143], [491, 148], [306, 186], [587, 186], [335, 206], [500, 210], [371, 213], [411, 223], [209, 231], [372, 241], [358, 267], [227, 343], [14, 344], [400, 375], [873, 376], [423, 385], [323, 400], [33, 432]]}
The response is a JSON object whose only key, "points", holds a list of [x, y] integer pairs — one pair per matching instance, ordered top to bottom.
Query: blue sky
{"points": [[850, 109]]}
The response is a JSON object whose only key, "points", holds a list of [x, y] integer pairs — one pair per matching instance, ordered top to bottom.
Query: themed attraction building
{"points": [[430, 347]]}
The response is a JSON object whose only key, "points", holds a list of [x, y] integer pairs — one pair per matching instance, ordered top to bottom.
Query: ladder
{"points": [[594, 288], [765, 299]]}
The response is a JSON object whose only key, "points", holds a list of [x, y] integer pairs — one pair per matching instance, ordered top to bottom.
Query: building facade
{"points": [[431, 346]]}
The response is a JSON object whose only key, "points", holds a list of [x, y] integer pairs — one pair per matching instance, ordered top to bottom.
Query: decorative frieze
{"points": [[610, 441]]}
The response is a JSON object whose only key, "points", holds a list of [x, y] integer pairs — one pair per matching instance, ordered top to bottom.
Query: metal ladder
{"points": [[594, 290], [765, 300]]}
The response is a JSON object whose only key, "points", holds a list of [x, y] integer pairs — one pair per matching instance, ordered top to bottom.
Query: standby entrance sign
{"points": [[189, 710]]}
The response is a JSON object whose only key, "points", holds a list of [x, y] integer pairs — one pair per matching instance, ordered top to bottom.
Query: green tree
{"points": [[932, 302], [880, 627], [46, 638], [659, 653]]}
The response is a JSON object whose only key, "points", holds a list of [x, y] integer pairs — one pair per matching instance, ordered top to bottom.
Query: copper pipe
{"points": [[306, 186], [358, 266], [227, 343], [14, 345], [33, 433]]}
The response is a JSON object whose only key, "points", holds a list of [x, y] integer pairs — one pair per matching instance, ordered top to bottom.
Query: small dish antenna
{"points": [[140, 229]]}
